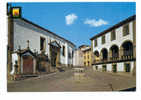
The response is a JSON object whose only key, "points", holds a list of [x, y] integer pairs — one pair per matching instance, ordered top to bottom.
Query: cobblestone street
{"points": [[64, 81]]}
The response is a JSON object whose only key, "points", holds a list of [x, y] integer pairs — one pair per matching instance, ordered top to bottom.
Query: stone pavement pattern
{"points": [[64, 81]]}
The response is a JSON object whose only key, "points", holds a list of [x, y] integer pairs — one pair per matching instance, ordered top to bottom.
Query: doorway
{"points": [[54, 55], [27, 64], [127, 67], [104, 68], [114, 68]]}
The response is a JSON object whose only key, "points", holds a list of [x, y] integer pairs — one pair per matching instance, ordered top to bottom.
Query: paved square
{"points": [[65, 81]]}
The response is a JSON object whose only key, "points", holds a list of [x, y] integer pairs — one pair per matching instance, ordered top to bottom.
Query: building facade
{"points": [[24, 34], [115, 48], [83, 56], [87, 56], [78, 58]]}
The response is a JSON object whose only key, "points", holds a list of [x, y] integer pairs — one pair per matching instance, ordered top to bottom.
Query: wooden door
{"points": [[27, 65]]}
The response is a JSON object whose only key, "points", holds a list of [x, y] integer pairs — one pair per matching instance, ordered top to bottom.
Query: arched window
{"points": [[127, 48], [114, 50], [104, 54]]}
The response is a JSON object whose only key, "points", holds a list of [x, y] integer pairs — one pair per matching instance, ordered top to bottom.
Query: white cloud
{"points": [[70, 19], [95, 23]]}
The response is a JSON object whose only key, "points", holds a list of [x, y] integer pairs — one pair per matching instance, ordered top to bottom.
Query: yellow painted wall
{"points": [[87, 58]]}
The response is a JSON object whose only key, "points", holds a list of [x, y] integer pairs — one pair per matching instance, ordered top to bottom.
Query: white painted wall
{"points": [[24, 31], [119, 38], [78, 58], [109, 67], [120, 67]]}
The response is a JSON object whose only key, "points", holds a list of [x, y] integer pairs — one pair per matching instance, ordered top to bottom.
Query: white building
{"points": [[21, 30], [39, 39], [115, 48], [78, 58]]}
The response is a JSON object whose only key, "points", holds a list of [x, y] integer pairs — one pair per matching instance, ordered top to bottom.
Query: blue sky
{"points": [[77, 22]]}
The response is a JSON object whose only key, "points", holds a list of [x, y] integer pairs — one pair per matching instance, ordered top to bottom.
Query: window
{"points": [[125, 30], [113, 35], [103, 39], [42, 43], [95, 43], [63, 51], [84, 57], [84, 63], [88, 63]]}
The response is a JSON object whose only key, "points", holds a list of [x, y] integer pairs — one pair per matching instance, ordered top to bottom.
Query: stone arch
{"points": [[128, 40], [126, 49], [114, 52], [96, 53], [104, 54], [96, 56]]}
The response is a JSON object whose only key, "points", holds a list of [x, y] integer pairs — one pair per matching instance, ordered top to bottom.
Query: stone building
{"points": [[40, 40], [115, 48], [82, 56], [87, 56]]}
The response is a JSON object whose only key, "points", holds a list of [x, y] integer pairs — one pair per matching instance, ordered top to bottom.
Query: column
{"points": [[120, 52], [66, 54], [110, 55]]}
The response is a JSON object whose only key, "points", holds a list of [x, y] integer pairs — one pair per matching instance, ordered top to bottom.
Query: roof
{"points": [[115, 26], [45, 30], [54, 43], [82, 46], [86, 49], [23, 51]]}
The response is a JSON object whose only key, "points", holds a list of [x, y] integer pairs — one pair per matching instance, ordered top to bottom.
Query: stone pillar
{"points": [[120, 52], [66, 54], [110, 54], [101, 56]]}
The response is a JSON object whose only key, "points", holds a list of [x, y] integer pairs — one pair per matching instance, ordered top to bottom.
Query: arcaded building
{"points": [[114, 49]]}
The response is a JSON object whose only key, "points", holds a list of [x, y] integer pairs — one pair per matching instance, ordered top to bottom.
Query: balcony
{"points": [[114, 59]]}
